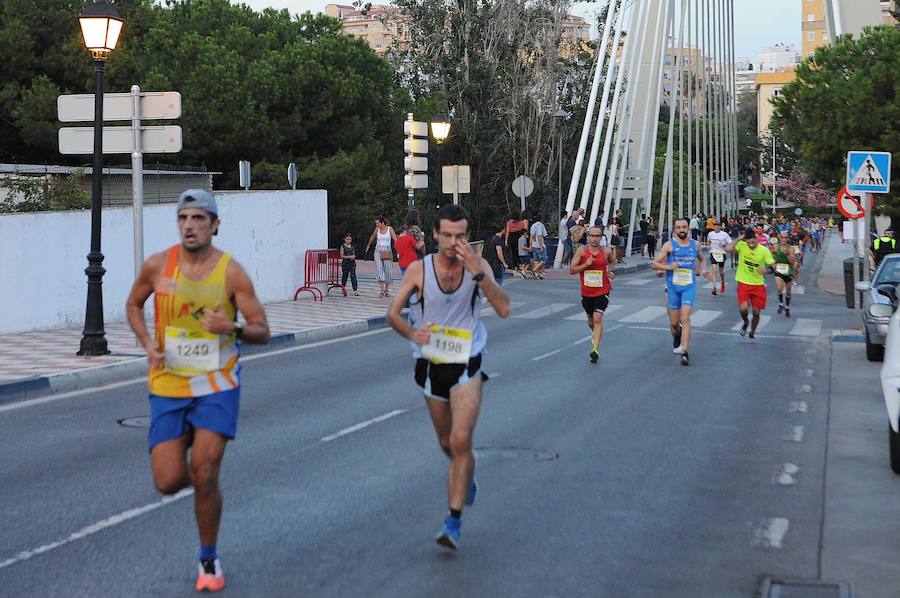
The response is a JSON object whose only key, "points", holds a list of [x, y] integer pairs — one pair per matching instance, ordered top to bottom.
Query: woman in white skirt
{"points": [[382, 237]]}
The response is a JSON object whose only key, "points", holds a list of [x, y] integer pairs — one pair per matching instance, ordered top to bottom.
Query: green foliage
{"points": [[846, 98], [39, 194]]}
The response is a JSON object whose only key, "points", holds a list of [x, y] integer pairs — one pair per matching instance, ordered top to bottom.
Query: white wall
{"points": [[43, 255]]}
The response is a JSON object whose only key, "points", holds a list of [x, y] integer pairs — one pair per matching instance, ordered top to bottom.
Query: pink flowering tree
{"points": [[800, 188]]}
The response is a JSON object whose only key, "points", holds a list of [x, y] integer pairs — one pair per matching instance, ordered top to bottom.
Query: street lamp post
{"points": [[100, 27], [440, 130], [774, 174]]}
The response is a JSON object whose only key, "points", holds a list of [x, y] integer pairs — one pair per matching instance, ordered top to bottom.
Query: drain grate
{"points": [[139, 421], [511, 452], [779, 588]]}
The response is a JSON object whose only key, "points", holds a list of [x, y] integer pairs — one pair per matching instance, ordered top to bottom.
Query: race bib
{"points": [[718, 256], [783, 269], [682, 276], [593, 278], [448, 345], [191, 353]]}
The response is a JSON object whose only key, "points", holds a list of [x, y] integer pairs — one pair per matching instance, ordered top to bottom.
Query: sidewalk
{"points": [[831, 274]]}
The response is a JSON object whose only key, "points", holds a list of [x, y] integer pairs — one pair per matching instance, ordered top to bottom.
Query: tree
{"points": [[846, 97], [748, 147]]}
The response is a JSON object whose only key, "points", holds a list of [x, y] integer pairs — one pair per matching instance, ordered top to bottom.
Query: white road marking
{"points": [[637, 282], [798, 289], [547, 310], [489, 311], [645, 315], [583, 316], [703, 317], [763, 320], [807, 327], [758, 336], [582, 340], [546, 355], [806, 373], [494, 375], [803, 388], [799, 407], [362, 425], [796, 434], [785, 475], [96, 527], [771, 532]]}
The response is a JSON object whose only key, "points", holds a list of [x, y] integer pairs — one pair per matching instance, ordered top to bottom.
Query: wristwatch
{"points": [[478, 277], [238, 330]]}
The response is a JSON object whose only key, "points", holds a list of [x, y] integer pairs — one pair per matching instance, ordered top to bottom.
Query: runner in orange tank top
{"points": [[596, 265], [194, 375]]}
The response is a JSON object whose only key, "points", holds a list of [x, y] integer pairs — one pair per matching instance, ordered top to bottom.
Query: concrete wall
{"points": [[43, 255]]}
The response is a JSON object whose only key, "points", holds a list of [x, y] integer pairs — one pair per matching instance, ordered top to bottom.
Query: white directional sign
{"points": [[155, 105], [415, 127], [120, 140], [415, 146], [415, 163], [869, 172], [456, 179], [415, 181]]}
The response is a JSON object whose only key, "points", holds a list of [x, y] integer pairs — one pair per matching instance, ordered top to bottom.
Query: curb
{"points": [[42, 386]]}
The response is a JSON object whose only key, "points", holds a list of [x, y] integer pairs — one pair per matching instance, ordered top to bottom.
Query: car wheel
{"points": [[873, 352], [895, 450]]}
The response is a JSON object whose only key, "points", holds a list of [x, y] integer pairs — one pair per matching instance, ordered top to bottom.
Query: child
{"points": [[524, 254], [348, 262]]}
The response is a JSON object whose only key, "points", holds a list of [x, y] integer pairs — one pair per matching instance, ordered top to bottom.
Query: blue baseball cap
{"points": [[198, 198]]}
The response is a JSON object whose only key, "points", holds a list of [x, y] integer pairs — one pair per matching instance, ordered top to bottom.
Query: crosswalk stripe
{"points": [[637, 282], [798, 289], [489, 311], [542, 312], [645, 315], [582, 316], [702, 317], [763, 320], [806, 327]]}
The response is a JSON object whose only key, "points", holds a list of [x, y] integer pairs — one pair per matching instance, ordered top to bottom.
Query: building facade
{"points": [[774, 59], [768, 87]]}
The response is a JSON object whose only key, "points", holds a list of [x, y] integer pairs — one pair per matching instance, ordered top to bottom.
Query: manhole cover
{"points": [[138, 421], [509, 452], [776, 588]]}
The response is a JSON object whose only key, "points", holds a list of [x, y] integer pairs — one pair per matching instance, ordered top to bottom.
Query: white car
{"points": [[890, 386]]}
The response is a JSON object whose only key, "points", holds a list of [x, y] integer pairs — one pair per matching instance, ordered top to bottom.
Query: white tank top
{"points": [[384, 240], [459, 308]]}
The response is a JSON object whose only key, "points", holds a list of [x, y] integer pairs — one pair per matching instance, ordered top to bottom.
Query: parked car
{"points": [[878, 298], [890, 386]]}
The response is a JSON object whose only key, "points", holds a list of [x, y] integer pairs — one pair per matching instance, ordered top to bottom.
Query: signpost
{"points": [[136, 140], [415, 166], [867, 173], [244, 174], [292, 175], [455, 180], [522, 187]]}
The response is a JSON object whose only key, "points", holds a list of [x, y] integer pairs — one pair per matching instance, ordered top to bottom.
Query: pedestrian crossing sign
{"points": [[868, 172]]}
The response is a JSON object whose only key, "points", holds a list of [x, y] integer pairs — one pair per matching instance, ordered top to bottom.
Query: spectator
{"points": [[600, 219], [694, 225], [644, 226], [515, 227], [652, 236], [382, 237], [620, 237], [411, 242], [564, 243], [538, 246], [883, 246], [523, 253], [496, 258], [348, 263]]}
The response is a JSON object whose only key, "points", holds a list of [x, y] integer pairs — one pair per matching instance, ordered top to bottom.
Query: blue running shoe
{"points": [[472, 493], [449, 534]]}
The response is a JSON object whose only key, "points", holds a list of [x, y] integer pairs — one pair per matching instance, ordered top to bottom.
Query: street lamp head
{"points": [[100, 27], [440, 127]]}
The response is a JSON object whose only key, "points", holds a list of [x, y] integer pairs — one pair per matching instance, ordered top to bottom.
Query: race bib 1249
{"points": [[191, 352]]}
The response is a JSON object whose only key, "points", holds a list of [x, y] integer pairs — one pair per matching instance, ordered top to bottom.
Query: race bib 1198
{"points": [[448, 345]]}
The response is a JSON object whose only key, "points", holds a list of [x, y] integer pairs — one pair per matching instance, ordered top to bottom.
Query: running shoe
{"points": [[721, 289], [714, 292], [780, 308], [787, 312], [744, 329], [751, 338], [679, 350], [594, 356], [685, 360], [472, 493], [449, 534], [210, 577]]}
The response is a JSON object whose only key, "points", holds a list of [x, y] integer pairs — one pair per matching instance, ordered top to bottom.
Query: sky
{"points": [[758, 23]]}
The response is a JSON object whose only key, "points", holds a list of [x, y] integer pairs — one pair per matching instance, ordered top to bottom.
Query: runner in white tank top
{"points": [[448, 348]]}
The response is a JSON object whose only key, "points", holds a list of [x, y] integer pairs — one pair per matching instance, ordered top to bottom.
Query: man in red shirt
{"points": [[596, 265]]}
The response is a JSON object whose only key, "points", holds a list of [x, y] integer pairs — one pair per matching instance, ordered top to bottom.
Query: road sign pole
{"points": [[137, 181], [456, 185], [867, 224], [855, 260]]}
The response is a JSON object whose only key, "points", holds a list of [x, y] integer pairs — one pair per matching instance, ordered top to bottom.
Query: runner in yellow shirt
{"points": [[754, 262]]}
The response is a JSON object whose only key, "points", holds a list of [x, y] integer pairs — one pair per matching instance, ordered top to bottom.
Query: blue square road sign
{"points": [[868, 172]]}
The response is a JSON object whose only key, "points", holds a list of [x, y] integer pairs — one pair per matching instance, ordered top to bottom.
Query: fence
{"points": [[321, 266]]}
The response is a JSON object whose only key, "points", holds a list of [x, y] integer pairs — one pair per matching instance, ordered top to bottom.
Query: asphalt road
{"points": [[633, 477]]}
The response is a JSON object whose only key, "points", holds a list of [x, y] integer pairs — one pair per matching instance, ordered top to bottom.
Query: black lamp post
{"points": [[100, 27], [440, 130]]}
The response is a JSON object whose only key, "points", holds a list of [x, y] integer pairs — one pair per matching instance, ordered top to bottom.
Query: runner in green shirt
{"points": [[754, 262]]}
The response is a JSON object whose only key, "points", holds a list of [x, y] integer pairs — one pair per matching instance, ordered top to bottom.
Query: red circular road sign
{"points": [[849, 206]]}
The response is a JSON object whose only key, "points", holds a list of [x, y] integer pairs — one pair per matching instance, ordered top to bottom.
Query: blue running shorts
{"points": [[679, 296], [172, 417]]}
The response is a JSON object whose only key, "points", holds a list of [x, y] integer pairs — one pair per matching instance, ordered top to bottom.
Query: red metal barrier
{"points": [[321, 266]]}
